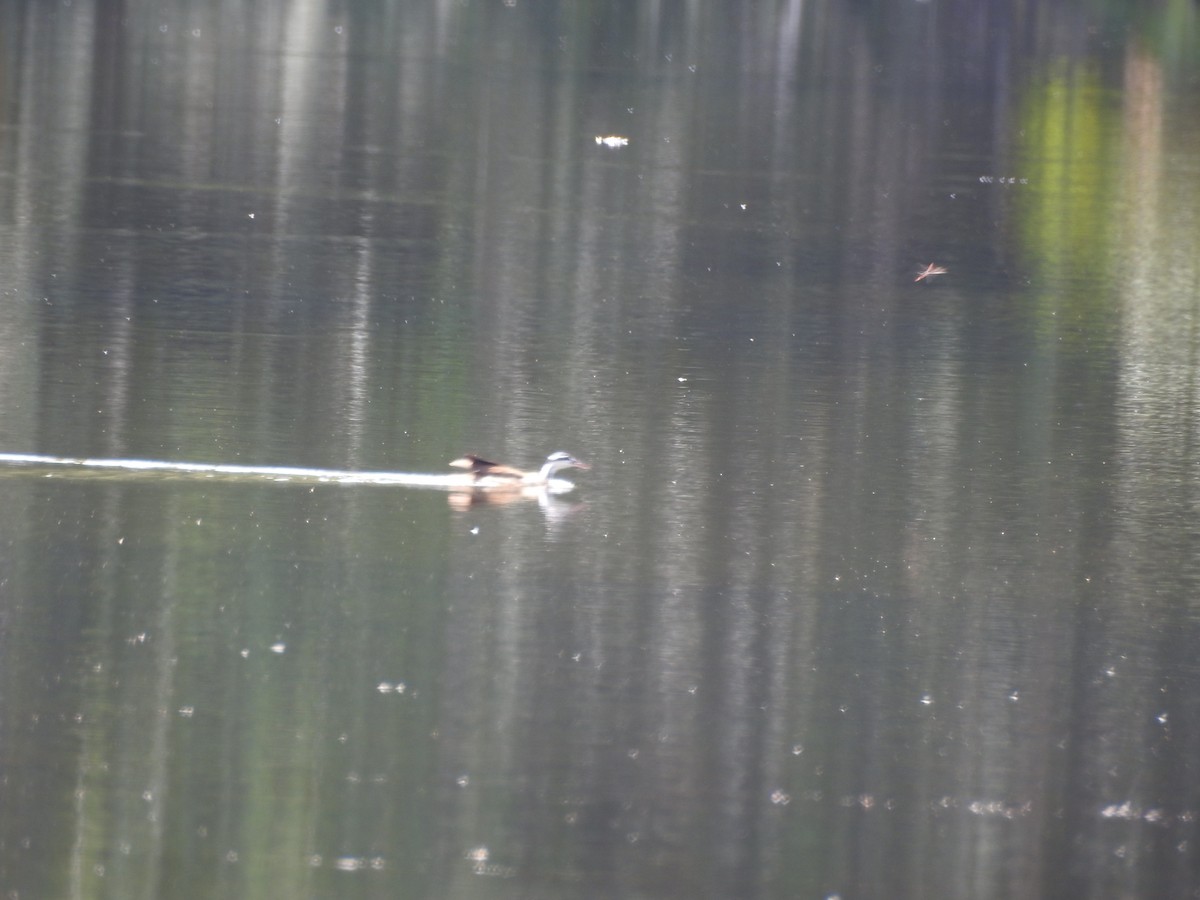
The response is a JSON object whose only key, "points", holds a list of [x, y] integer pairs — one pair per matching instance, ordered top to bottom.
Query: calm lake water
{"points": [[876, 587]]}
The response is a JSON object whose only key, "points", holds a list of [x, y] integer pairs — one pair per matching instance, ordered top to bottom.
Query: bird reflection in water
{"points": [[494, 484]]}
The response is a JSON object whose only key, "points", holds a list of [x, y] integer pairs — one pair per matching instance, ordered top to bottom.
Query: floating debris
{"points": [[612, 140], [929, 271], [478, 858], [354, 863]]}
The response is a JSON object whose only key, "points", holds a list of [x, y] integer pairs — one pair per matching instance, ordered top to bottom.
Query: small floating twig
{"points": [[929, 271]]}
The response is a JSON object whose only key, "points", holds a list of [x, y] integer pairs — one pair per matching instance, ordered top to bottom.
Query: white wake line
{"points": [[451, 481]]}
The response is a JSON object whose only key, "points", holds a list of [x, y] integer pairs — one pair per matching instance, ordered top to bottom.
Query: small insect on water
{"points": [[929, 271]]}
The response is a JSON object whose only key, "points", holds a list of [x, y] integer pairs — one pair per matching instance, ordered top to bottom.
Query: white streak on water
{"points": [[82, 466]]}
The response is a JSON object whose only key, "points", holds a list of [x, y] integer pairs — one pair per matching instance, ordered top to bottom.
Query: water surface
{"points": [[877, 588]]}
